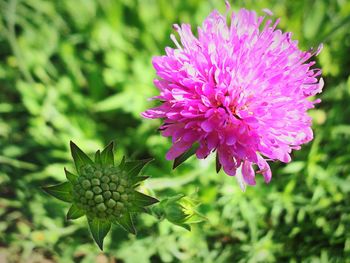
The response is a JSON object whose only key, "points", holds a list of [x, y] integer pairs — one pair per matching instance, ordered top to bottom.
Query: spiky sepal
{"points": [[102, 191]]}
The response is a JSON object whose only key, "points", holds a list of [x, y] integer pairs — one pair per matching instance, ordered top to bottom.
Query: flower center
{"points": [[102, 192]]}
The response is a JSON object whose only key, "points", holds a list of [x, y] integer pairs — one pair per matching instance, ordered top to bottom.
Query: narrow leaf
{"points": [[107, 156], [98, 157], [183, 157], [80, 158], [122, 163], [218, 164], [133, 168], [71, 177], [137, 179], [61, 191], [144, 200], [136, 209], [74, 212], [127, 223], [185, 226], [99, 229]]}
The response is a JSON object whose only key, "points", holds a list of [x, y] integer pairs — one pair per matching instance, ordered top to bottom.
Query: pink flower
{"points": [[239, 88]]}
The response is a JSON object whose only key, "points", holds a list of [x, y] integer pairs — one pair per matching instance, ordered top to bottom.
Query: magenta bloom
{"points": [[239, 88]]}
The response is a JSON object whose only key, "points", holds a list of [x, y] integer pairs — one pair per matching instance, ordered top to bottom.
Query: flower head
{"points": [[240, 89], [104, 192], [180, 210]]}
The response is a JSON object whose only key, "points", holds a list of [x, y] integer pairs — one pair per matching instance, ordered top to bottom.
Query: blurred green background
{"points": [[81, 70]]}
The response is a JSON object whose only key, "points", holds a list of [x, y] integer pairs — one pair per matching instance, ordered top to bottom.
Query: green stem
{"points": [[11, 36], [17, 163]]}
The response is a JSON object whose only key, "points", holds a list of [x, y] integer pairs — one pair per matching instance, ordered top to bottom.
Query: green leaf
{"points": [[107, 156], [98, 157], [183, 157], [80, 158], [122, 163], [218, 164], [133, 168], [71, 177], [137, 179], [61, 191], [144, 200], [137, 209], [74, 212], [127, 223], [185, 226], [99, 229]]}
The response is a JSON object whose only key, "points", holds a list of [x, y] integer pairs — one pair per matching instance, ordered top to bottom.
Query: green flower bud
{"points": [[87, 170], [97, 174], [114, 178], [105, 179], [95, 181], [123, 182], [86, 184], [105, 186], [112, 186], [97, 189], [120, 189], [102, 191], [89, 194], [107, 195], [116, 196], [124, 197], [98, 198], [111, 203], [119, 206], [101, 207], [179, 210]]}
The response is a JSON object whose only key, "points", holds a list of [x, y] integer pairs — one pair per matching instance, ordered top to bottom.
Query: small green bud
{"points": [[87, 169], [98, 174], [114, 178], [105, 179], [95, 181], [123, 182], [86, 184], [105, 186], [112, 186], [120, 189], [97, 190], [89, 194], [107, 194], [116, 196], [124, 197], [98, 198], [83, 200], [91, 203], [111, 203], [119, 206], [101, 207], [179, 210]]}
